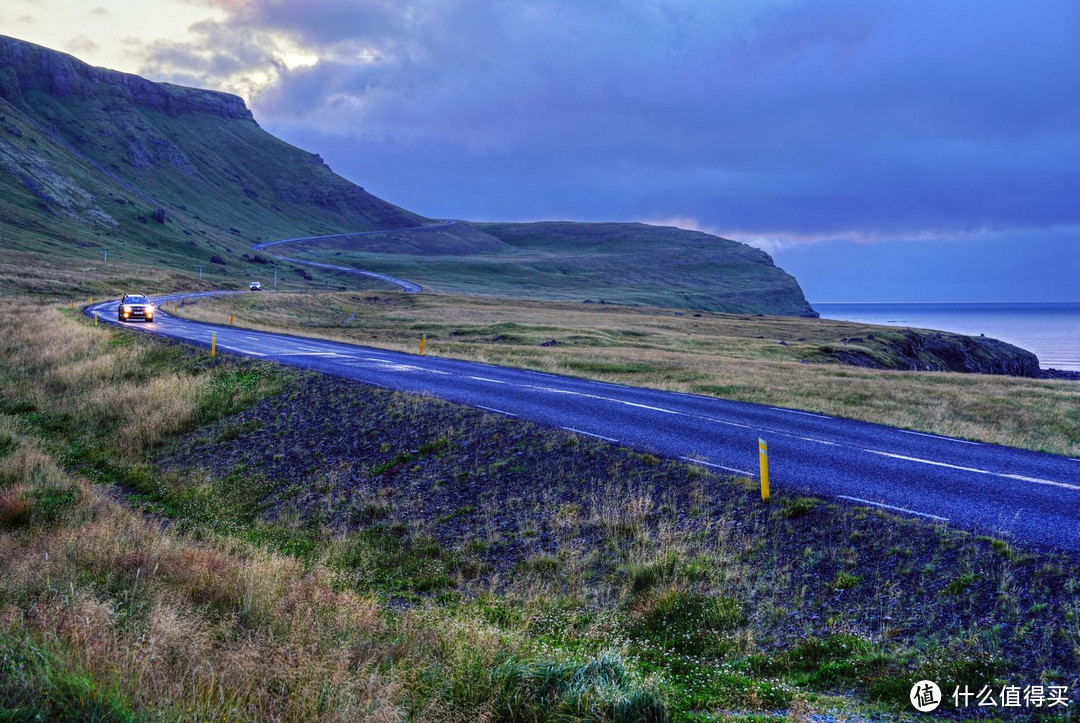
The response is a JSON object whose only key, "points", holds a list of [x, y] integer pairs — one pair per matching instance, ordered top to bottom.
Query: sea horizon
{"points": [[951, 303]]}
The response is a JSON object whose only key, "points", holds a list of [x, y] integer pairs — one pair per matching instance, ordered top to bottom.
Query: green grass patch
{"points": [[609, 368], [236, 387], [8, 443], [393, 463], [51, 503], [795, 507], [387, 559], [844, 580], [961, 584], [686, 624], [827, 663], [40, 685], [601, 688]]}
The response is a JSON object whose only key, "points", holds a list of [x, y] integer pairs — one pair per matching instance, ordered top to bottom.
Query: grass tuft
{"points": [[601, 688]]}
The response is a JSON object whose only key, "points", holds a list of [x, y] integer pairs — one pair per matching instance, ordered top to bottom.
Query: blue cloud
{"points": [[791, 119]]}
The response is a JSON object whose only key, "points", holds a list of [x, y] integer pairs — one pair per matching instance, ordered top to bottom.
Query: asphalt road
{"points": [[986, 488]]}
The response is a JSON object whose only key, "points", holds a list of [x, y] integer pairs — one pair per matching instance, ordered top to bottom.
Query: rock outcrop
{"points": [[26, 68], [945, 352]]}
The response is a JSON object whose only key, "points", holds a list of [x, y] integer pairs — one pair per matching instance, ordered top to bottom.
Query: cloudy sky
{"points": [[904, 150]]}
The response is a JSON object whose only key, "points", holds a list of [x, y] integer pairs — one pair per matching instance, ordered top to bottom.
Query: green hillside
{"points": [[96, 160], [622, 263]]}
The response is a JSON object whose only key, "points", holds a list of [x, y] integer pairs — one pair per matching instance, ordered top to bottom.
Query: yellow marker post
{"points": [[91, 299], [73, 306], [95, 318], [232, 318], [423, 342], [213, 345], [763, 460]]}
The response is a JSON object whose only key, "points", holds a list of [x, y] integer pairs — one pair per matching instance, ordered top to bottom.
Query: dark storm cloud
{"points": [[835, 118]]}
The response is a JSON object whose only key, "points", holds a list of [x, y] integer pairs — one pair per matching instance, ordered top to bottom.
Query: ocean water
{"points": [[1051, 330]]}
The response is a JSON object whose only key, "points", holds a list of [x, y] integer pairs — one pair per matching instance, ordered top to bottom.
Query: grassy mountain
{"points": [[95, 160], [622, 263], [698, 270]]}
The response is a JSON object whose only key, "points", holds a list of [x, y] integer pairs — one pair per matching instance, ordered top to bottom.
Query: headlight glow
{"points": [[127, 308], [150, 309]]}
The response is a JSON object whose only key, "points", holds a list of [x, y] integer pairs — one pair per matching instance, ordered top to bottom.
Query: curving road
{"points": [[408, 287], [990, 489]]}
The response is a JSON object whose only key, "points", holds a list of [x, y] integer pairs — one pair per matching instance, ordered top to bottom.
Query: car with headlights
{"points": [[255, 286], [135, 306]]}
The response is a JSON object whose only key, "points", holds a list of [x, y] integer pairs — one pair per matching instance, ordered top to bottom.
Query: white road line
{"points": [[252, 338], [240, 351], [307, 353], [395, 367], [485, 379], [555, 390], [599, 398], [646, 406], [497, 411], [805, 414], [725, 422], [590, 434], [938, 436], [820, 441], [743, 472], [1005, 475], [1036, 480], [892, 507]]}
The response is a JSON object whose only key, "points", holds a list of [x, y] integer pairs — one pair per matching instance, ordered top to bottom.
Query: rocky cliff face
{"points": [[26, 69]]}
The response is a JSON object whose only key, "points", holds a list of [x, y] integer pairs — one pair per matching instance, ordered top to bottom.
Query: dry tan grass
{"points": [[70, 279], [730, 356], [75, 369], [152, 411], [21, 461], [621, 511], [167, 625], [190, 629], [198, 629]]}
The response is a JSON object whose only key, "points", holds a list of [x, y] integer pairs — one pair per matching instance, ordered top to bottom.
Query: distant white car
{"points": [[256, 286]]}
